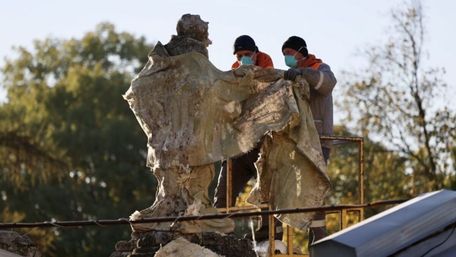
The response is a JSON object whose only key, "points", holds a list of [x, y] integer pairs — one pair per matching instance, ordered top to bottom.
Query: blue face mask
{"points": [[246, 60], [291, 61]]}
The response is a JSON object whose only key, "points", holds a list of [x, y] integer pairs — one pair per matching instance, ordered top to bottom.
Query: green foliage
{"points": [[70, 148], [384, 172], [385, 179]]}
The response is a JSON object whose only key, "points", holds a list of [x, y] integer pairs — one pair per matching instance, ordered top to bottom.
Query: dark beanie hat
{"points": [[244, 42], [297, 44]]}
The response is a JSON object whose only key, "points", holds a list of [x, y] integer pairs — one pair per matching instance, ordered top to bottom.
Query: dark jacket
{"points": [[322, 81]]}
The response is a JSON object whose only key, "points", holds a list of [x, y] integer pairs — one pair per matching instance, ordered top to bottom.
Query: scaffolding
{"points": [[247, 211], [343, 213]]}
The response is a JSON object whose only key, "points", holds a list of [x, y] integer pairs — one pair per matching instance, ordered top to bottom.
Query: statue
{"points": [[195, 115]]}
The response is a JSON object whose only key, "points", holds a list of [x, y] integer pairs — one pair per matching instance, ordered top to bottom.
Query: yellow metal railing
{"points": [[343, 214]]}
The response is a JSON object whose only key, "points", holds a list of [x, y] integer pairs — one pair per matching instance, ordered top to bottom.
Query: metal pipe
{"points": [[341, 138], [361, 175], [229, 183], [121, 221], [271, 222], [290, 236]]}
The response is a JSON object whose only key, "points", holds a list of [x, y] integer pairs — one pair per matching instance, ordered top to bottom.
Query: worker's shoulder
{"points": [[263, 55], [264, 60], [235, 65], [323, 67]]}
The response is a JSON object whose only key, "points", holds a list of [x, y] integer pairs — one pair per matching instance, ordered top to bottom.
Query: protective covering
{"points": [[191, 111], [194, 115], [183, 248]]}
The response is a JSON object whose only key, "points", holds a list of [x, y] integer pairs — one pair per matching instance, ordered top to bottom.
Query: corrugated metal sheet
{"points": [[393, 230], [442, 243]]}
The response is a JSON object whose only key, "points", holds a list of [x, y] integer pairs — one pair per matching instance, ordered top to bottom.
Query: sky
{"points": [[336, 31]]}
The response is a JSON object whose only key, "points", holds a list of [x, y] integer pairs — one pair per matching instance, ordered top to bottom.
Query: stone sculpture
{"points": [[195, 115]]}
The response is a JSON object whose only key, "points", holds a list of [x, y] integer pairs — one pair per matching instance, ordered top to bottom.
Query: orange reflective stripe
{"points": [[310, 62], [315, 66]]}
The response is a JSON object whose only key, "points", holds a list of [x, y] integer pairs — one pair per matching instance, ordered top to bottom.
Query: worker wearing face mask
{"points": [[247, 53], [322, 81], [243, 167]]}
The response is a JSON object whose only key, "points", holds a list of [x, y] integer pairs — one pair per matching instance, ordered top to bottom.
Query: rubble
{"points": [[13, 242]]}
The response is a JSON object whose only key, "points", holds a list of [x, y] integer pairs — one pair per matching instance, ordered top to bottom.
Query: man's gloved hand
{"points": [[292, 73]]}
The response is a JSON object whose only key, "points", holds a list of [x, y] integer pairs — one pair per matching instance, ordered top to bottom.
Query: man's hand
{"points": [[292, 73]]}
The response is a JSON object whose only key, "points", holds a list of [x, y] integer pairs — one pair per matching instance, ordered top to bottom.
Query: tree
{"points": [[398, 99], [70, 148], [385, 177]]}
